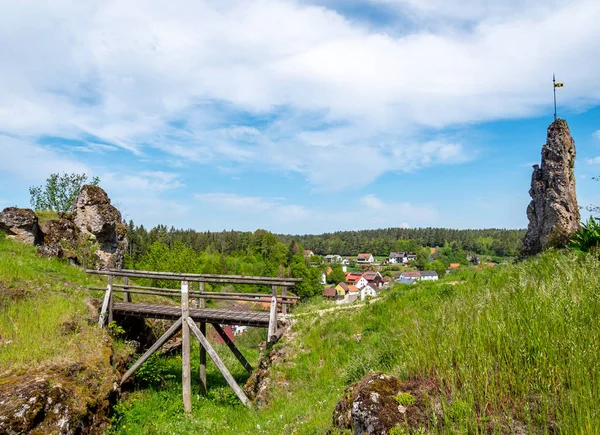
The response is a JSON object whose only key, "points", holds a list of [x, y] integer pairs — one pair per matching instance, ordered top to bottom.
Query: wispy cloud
{"points": [[308, 91], [596, 134], [593, 160]]}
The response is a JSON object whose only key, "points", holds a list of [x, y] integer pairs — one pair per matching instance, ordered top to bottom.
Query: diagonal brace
{"points": [[162, 340], [233, 348], [213, 355]]}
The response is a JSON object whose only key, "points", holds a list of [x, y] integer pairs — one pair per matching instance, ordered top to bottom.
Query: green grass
{"points": [[43, 310], [515, 346]]}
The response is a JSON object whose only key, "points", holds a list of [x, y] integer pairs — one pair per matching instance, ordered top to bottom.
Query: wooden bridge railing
{"points": [[184, 320]]}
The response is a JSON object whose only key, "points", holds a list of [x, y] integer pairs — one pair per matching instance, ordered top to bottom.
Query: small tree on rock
{"points": [[59, 192]]}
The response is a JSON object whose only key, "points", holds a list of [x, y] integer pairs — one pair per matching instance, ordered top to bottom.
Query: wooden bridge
{"points": [[185, 318]]}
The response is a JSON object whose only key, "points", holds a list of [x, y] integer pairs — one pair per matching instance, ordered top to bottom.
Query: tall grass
{"points": [[43, 312], [514, 348]]}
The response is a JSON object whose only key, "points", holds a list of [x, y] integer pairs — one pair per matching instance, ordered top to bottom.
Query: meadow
{"points": [[513, 349]]}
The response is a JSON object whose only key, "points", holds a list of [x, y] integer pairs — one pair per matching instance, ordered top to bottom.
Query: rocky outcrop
{"points": [[553, 212], [100, 223], [20, 224], [60, 239], [66, 399], [378, 403]]}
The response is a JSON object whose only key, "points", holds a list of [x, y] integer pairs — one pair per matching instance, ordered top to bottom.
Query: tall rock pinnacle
{"points": [[553, 211]]}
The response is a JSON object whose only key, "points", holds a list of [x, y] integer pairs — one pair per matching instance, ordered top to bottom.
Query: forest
{"points": [[494, 242]]}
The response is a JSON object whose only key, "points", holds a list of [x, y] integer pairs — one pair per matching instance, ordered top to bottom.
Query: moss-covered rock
{"points": [[20, 224], [61, 399], [378, 403]]}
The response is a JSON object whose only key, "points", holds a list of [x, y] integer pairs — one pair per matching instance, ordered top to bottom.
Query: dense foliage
{"points": [[59, 192], [497, 242], [260, 254]]}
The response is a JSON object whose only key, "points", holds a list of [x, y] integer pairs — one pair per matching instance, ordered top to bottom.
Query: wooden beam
{"points": [[196, 275], [223, 279], [175, 293], [208, 295], [126, 296], [201, 300], [106, 303], [283, 306], [272, 317], [162, 340], [233, 348], [222, 368], [186, 384], [203, 385]]}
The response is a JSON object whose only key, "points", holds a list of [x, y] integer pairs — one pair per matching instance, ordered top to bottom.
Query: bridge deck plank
{"points": [[209, 315]]}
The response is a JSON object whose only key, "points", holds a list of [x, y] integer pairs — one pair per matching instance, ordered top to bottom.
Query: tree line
{"points": [[495, 242]]}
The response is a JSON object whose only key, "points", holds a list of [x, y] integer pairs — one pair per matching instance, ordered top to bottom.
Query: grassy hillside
{"points": [[44, 308], [513, 349]]}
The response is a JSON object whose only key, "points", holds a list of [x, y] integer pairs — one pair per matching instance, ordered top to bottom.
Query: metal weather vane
{"points": [[556, 85]]}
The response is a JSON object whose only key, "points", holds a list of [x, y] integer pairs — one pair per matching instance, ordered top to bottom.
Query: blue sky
{"points": [[298, 117]]}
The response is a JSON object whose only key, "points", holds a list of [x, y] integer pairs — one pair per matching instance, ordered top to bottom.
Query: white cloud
{"points": [[125, 72], [596, 134], [593, 161], [29, 162], [144, 181], [232, 201]]}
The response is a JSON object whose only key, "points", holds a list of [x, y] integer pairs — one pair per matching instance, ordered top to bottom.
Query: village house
{"points": [[308, 253], [397, 258], [332, 259], [365, 259], [346, 261], [454, 266], [325, 274], [413, 275], [429, 275], [356, 279], [374, 279], [342, 288], [368, 291], [346, 293], [332, 294]]}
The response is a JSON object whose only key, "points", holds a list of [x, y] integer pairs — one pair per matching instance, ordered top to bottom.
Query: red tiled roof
{"points": [[364, 256], [454, 265], [329, 270], [412, 274], [353, 277], [352, 289], [328, 292]]}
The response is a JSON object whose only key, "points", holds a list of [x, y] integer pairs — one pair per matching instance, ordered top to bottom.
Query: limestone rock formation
{"points": [[553, 212], [100, 222], [20, 224], [60, 239], [378, 403]]}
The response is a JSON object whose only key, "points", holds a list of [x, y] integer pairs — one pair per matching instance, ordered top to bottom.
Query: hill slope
{"points": [[512, 349], [55, 364]]}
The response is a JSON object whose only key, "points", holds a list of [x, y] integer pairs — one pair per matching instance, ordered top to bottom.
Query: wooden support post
{"points": [[126, 295], [201, 300], [110, 301], [105, 303], [202, 304], [283, 306], [273, 314], [162, 340], [232, 347], [213, 355], [186, 384], [203, 385]]}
